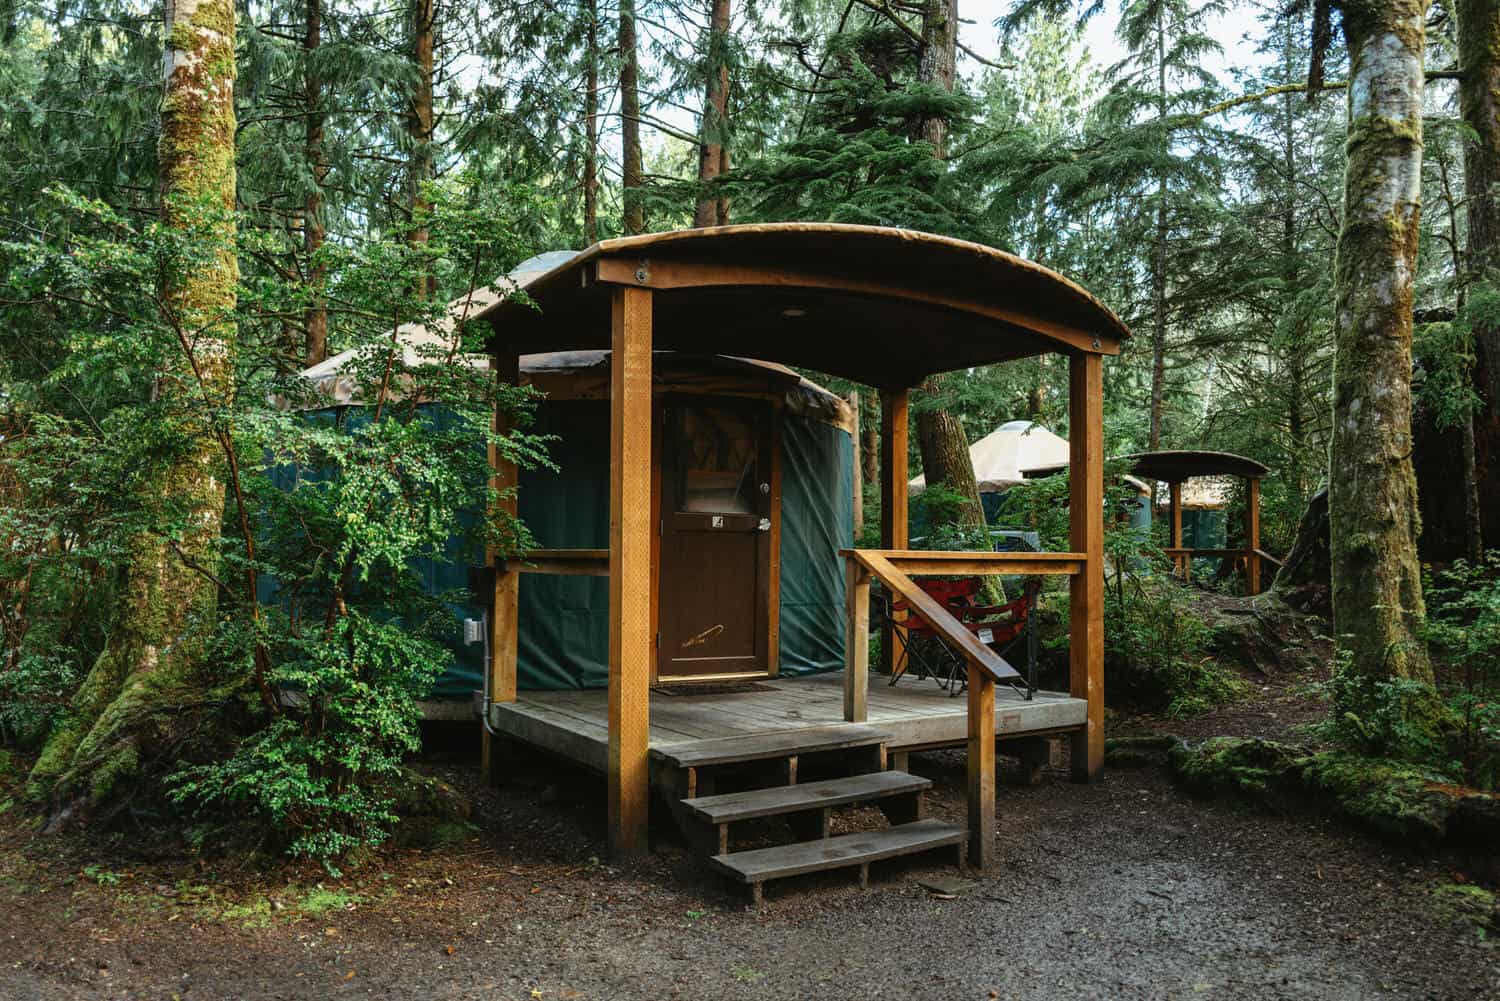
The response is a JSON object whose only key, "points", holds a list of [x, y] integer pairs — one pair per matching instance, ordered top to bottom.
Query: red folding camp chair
{"points": [[999, 627]]}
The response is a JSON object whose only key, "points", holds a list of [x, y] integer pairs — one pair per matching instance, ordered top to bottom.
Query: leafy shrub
{"points": [[1463, 634], [1155, 643], [303, 704]]}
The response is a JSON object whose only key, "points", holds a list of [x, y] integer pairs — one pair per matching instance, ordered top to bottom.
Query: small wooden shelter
{"points": [[883, 307], [1176, 467]]}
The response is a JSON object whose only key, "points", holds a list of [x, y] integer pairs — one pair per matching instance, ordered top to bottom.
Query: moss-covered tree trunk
{"points": [[1479, 103], [713, 146], [420, 169], [634, 210], [940, 435], [945, 457], [1373, 520], [127, 717]]}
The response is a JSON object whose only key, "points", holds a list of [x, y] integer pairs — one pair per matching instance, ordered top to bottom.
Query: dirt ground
{"points": [[1123, 889]]}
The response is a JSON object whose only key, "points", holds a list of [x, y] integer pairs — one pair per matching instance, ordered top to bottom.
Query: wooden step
{"points": [[768, 746], [730, 807], [859, 849]]}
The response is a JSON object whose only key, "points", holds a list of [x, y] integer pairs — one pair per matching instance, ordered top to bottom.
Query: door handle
{"points": [[764, 526]]}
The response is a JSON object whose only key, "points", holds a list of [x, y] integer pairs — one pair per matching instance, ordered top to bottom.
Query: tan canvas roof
{"points": [[1000, 456]]}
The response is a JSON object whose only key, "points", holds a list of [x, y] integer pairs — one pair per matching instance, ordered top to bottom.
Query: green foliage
{"points": [[1463, 633], [326, 636], [1155, 642], [1396, 717], [1407, 802]]}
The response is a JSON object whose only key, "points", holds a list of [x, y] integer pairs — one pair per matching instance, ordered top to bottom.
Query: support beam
{"points": [[895, 408], [859, 483], [1174, 501], [1252, 534], [1086, 595], [505, 602], [630, 638], [856, 641], [981, 753]]}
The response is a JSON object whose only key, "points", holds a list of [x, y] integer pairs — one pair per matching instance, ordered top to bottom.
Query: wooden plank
{"points": [[895, 408], [859, 468], [1174, 505], [1086, 521], [1252, 534], [578, 562], [917, 562], [505, 630], [953, 632], [630, 639], [856, 641], [567, 738], [763, 747], [981, 767], [729, 808], [846, 850]]}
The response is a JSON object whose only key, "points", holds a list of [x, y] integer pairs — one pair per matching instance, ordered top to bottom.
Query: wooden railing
{"points": [[1182, 558], [572, 562], [895, 568]]}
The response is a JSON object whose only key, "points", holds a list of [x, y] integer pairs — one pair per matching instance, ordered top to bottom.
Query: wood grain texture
{"points": [[697, 274], [630, 530], [920, 562], [1086, 594], [953, 632], [856, 641], [766, 746], [981, 767], [727, 808], [859, 848]]}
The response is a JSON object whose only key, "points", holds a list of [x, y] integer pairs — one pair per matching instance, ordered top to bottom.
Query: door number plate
{"points": [[717, 521]]}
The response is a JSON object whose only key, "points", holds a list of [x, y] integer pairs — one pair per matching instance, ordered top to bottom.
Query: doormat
{"points": [[716, 688]]}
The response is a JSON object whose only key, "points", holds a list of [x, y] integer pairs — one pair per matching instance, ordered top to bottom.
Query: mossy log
{"points": [[1406, 803]]}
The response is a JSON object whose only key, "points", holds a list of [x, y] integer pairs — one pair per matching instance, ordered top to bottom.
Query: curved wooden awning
{"points": [[886, 307], [1176, 466]]}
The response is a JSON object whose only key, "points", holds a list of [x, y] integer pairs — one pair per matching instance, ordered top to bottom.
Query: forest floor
{"points": [[1123, 889]]}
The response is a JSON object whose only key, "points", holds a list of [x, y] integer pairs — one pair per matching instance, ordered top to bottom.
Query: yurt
{"points": [[768, 452], [1008, 456]]}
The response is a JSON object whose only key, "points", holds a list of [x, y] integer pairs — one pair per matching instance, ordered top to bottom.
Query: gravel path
{"points": [[1125, 889]]}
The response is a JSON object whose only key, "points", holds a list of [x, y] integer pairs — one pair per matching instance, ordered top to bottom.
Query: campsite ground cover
{"points": [[1124, 889]]}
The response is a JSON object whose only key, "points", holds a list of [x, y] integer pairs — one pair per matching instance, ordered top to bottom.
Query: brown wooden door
{"points": [[715, 546]]}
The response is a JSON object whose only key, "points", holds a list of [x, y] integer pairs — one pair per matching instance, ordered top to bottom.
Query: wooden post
{"points": [[895, 407], [859, 482], [1174, 504], [1252, 534], [1086, 596], [504, 637], [630, 638], [856, 641], [981, 694]]}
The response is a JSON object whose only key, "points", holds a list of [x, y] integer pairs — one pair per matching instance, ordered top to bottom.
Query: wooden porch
{"points": [[881, 307], [916, 715]]}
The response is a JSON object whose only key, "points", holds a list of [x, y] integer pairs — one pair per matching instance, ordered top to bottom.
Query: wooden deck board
{"points": [[914, 713]]}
